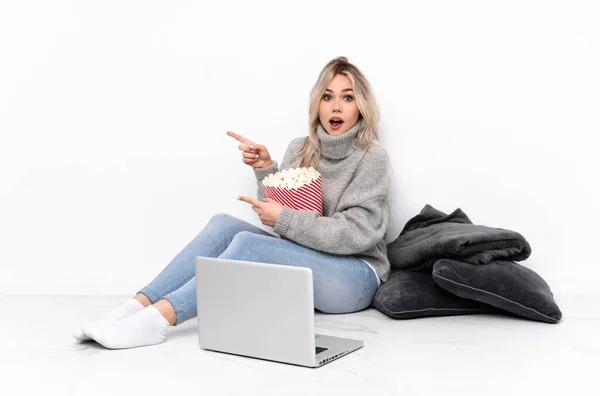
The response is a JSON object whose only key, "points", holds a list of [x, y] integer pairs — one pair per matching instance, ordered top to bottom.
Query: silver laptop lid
{"points": [[256, 309]]}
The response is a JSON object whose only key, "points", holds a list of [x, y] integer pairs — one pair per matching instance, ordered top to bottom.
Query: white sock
{"points": [[124, 310], [147, 327]]}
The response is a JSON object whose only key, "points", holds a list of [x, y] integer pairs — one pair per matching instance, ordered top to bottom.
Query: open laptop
{"points": [[262, 311]]}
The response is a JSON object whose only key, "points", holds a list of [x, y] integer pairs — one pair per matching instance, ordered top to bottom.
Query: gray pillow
{"points": [[501, 283], [409, 295]]}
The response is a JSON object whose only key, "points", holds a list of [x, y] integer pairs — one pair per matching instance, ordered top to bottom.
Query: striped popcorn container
{"points": [[298, 188]]}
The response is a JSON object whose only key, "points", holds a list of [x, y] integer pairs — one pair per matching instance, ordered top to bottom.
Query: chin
{"points": [[331, 131], [340, 131]]}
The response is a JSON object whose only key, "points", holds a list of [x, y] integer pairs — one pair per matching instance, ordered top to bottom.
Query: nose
{"points": [[337, 107]]}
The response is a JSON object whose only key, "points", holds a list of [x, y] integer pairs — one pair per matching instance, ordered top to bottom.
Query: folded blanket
{"points": [[432, 235]]}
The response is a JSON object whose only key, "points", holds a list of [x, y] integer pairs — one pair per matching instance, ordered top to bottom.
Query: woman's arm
{"points": [[361, 221]]}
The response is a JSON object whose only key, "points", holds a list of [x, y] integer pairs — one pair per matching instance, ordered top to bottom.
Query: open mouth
{"points": [[336, 122]]}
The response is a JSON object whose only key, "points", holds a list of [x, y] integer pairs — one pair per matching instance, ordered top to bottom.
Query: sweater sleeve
{"points": [[288, 158], [361, 220]]}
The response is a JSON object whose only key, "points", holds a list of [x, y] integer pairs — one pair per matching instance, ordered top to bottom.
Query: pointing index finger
{"points": [[239, 138], [249, 200]]}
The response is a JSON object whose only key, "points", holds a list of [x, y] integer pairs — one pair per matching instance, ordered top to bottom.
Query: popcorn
{"points": [[291, 178], [298, 188]]}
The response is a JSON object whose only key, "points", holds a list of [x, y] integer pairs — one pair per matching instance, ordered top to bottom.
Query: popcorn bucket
{"points": [[298, 188]]}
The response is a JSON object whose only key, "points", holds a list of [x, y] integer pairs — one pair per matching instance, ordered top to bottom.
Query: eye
{"points": [[348, 96], [326, 97]]}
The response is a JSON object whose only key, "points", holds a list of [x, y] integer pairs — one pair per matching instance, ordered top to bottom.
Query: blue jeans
{"points": [[341, 284]]}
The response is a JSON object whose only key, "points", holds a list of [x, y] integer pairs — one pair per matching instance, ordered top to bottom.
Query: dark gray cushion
{"points": [[432, 235], [501, 283], [409, 295]]}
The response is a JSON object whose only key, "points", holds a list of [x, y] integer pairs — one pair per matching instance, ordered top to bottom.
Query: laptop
{"points": [[262, 311]]}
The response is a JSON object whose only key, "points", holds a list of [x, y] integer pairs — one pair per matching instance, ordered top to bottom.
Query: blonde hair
{"points": [[309, 151]]}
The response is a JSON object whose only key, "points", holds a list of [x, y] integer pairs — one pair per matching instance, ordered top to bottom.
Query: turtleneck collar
{"points": [[340, 146]]}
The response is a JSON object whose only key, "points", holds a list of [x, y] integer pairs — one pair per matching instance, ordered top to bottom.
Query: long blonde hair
{"points": [[309, 152]]}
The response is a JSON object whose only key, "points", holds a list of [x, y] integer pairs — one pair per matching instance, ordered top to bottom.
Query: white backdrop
{"points": [[113, 114]]}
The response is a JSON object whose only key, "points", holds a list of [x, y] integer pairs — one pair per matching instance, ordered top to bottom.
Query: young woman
{"points": [[345, 247]]}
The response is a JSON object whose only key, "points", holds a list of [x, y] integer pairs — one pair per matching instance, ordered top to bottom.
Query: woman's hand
{"points": [[253, 154], [268, 210]]}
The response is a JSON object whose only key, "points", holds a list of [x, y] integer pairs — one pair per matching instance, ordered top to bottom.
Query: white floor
{"points": [[460, 355]]}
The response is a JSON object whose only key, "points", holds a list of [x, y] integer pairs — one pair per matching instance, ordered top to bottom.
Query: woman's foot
{"points": [[129, 308], [147, 327]]}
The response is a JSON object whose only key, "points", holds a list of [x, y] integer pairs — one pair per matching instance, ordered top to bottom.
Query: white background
{"points": [[113, 153]]}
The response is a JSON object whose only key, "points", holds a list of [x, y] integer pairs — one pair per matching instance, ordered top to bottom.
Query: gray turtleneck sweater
{"points": [[355, 207]]}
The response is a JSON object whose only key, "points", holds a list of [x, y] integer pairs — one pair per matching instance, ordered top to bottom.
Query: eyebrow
{"points": [[343, 90]]}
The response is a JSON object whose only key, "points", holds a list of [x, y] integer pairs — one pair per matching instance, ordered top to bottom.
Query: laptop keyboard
{"points": [[319, 350]]}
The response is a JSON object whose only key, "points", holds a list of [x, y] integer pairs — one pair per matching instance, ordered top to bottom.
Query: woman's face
{"points": [[338, 103]]}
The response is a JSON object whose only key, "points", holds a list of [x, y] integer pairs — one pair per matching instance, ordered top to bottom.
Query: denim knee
{"points": [[221, 218], [223, 221], [227, 221], [244, 237], [241, 239]]}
